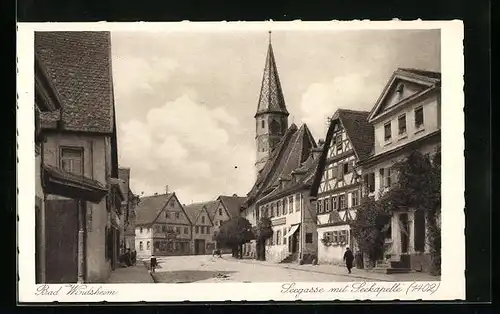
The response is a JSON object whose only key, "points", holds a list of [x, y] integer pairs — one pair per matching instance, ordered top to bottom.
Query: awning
{"points": [[62, 183], [293, 229]]}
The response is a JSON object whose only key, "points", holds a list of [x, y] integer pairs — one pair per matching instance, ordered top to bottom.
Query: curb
{"points": [[315, 271]]}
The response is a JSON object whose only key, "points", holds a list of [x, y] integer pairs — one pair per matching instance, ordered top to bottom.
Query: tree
{"points": [[419, 187], [367, 228], [262, 231], [234, 233]]}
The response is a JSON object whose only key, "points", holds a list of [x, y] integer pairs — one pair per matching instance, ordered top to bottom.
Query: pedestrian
{"points": [[348, 258], [153, 263]]}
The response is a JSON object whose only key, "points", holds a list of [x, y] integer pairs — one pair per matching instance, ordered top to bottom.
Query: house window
{"points": [[399, 90], [419, 117], [402, 124], [387, 131], [339, 143], [72, 160], [346, 168], [388, 178], [382, 180], [371, 182], [355, 198], [298, 202], [342, 202], [335, 203], [290, 204], [327, 204], [318, 207], [279, 208], [220, 211], [177, 215], [202, 219], [164, 228], [197, 229], [140, 230], [178, 230], [186, 230], [208, 230], [328, 236], [335, 236], [343, 236], [278, 237], [309, 237], [148, 245], [141, 248]]}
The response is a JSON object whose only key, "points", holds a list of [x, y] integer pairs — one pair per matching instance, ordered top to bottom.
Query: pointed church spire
{"points": [[271, 98]]}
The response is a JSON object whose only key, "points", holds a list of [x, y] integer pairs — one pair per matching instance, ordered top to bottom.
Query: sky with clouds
{"points": [[186, 101]]}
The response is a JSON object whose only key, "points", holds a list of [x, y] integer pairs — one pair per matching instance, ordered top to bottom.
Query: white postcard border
{"points": [[452, 284]]}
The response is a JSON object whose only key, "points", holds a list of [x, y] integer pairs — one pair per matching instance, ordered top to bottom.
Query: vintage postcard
{"points": [[251, 161]]}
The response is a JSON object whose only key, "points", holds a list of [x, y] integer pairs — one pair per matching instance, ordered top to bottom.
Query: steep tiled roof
{"points": [[79, 66], [271, 94], [360, 132], [293, 149], [308, 170], [233, 204], [150, 207], [193, 210]]}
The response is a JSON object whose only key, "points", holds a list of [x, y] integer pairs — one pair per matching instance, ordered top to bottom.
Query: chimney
{"points": [[166, 189]]}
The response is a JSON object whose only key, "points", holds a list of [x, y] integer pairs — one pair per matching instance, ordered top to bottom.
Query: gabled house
{"points": [[406, 117], [349, 139], [282, 193], [225, 208], [80, 225], [202, 226], [162, 227]]}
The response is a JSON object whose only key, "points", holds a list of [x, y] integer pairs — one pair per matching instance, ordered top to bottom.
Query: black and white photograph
{"points": [[291, 160]]}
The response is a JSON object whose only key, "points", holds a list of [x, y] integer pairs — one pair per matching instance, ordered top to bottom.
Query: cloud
{"points": [[134, 74], [322, 99], [185, 144]]}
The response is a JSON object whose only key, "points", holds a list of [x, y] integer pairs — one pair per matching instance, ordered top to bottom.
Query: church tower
{"points": [[271, 118]]}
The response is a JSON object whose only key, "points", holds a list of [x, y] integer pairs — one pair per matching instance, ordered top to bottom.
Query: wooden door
{"points": [[61, 221], [199, 246]]}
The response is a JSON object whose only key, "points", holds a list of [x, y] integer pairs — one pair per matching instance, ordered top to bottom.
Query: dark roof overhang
{"points": [[62, 183]]}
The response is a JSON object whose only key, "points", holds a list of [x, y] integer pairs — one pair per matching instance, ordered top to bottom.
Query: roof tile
{"points": [[79, 65]]}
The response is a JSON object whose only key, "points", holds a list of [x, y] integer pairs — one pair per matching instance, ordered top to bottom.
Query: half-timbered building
{"points": [[349, 139], [202, 225], [162, 227]]}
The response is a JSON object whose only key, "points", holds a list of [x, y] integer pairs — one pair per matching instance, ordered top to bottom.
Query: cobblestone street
{"points": [[208, 269]]}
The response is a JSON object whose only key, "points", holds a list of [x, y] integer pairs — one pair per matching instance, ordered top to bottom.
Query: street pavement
{"points": [[208, 269]]}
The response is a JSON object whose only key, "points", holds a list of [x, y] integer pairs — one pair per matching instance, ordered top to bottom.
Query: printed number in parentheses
{"points": [[420, 287]]}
